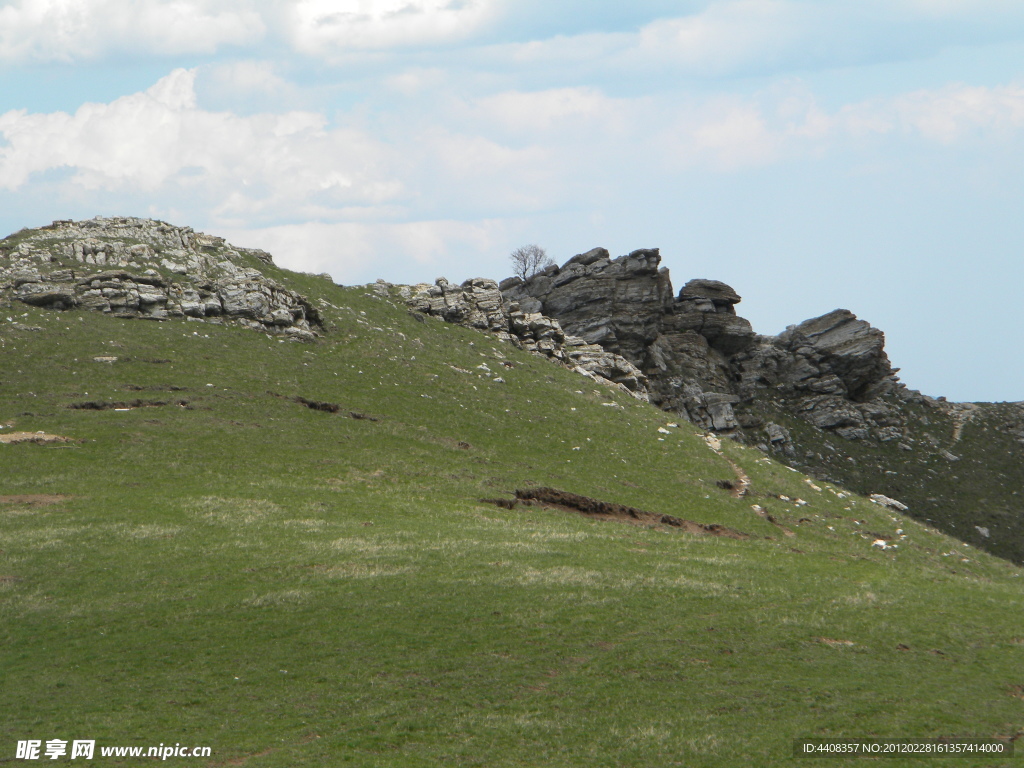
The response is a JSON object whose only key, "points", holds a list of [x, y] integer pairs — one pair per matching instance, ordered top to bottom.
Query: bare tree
{"points": [[528, 260]]}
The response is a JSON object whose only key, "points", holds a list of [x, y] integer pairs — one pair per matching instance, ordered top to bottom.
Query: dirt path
{"points": [[962, 413], [742, 484]]}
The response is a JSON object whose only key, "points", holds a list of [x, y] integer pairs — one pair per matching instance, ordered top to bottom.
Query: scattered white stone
{"points": [[663, 431], [885, 501], [982, 530]]}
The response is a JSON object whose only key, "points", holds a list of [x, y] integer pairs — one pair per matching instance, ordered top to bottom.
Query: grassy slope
{"points": [[983, 488], [292, 587]]}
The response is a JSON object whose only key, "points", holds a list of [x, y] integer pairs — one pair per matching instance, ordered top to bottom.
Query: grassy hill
{"points": [[962, 475], [223, 565]]}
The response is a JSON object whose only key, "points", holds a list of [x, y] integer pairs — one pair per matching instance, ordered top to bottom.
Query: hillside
{"points": [[822, 396], [284, 544]]}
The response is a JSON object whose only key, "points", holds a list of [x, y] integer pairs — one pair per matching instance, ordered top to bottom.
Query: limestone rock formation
{"points": [[131, 267], [478, 303], [615, 303], [702, 360]]}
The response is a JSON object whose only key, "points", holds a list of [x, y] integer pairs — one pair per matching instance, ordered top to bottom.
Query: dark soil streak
{"points": [[97, 405], [319, 405], [35, 499], [585, 505]]}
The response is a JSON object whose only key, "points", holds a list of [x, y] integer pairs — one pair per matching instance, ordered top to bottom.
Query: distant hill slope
{"points": [[822, 396], [309, 553]]}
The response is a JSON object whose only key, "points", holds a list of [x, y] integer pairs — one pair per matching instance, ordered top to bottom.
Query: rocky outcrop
{"points": [[131, 267], [478, 303], [617, 304], [690, 353], [703, 361]]}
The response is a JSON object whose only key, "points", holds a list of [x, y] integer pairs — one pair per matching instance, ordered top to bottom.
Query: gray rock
{"points": [[143, 261], [704, 293], [478, 303], [848, 348], [835, 365], [885, 501]]}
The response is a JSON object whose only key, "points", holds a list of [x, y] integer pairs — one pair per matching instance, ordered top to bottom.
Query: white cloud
{"points": [[946, 8], [331, 27], [82, 30], [726, 36], [238, 79], [542, 110], [961, 111], [731, 133], [739, 137], [511, 150], [262, 165], [447, 174], [354, 252]]}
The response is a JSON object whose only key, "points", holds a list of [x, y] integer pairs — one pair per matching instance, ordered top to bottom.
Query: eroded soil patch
{"points": [[155, 388], [99, 405], [319, 405], [34, 437], [35, 499], [572, 502]]}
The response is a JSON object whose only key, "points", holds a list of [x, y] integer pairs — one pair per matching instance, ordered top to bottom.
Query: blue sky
{"points": [[815, 154]]}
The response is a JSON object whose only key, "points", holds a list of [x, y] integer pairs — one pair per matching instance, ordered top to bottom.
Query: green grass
{"points": [[982, 488], [292, 587]]}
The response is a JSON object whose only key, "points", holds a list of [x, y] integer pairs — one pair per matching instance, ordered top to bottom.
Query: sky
{"points": [[814, 154]]}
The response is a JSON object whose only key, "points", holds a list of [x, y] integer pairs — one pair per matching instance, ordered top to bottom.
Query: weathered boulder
{"points": [[708, 296], [852, 350]]}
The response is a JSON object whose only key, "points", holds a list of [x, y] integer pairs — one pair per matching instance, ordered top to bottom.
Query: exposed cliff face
{"points": [[133, 267], [617, 304], [703, 361]]}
